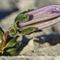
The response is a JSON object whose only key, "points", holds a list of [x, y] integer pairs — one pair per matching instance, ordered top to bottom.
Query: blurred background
{"points": [[10, 6]]}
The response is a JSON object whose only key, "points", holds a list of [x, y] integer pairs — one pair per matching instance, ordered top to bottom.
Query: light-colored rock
{"points": [[7, 4], [26, 4], [27, 50]]}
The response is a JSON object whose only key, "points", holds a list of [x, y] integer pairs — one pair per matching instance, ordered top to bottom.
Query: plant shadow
{"points": [[5, 13], [52, 39], [22, 44]]}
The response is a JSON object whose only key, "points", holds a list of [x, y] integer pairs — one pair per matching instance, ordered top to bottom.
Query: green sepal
{"points": [[22, 17], [12, 30], [28, 30]]}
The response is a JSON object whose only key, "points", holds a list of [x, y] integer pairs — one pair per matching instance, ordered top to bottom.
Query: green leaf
{"points": [[1, 29], [28, 30], [1, 33], [11, 43], [11, 51]]}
